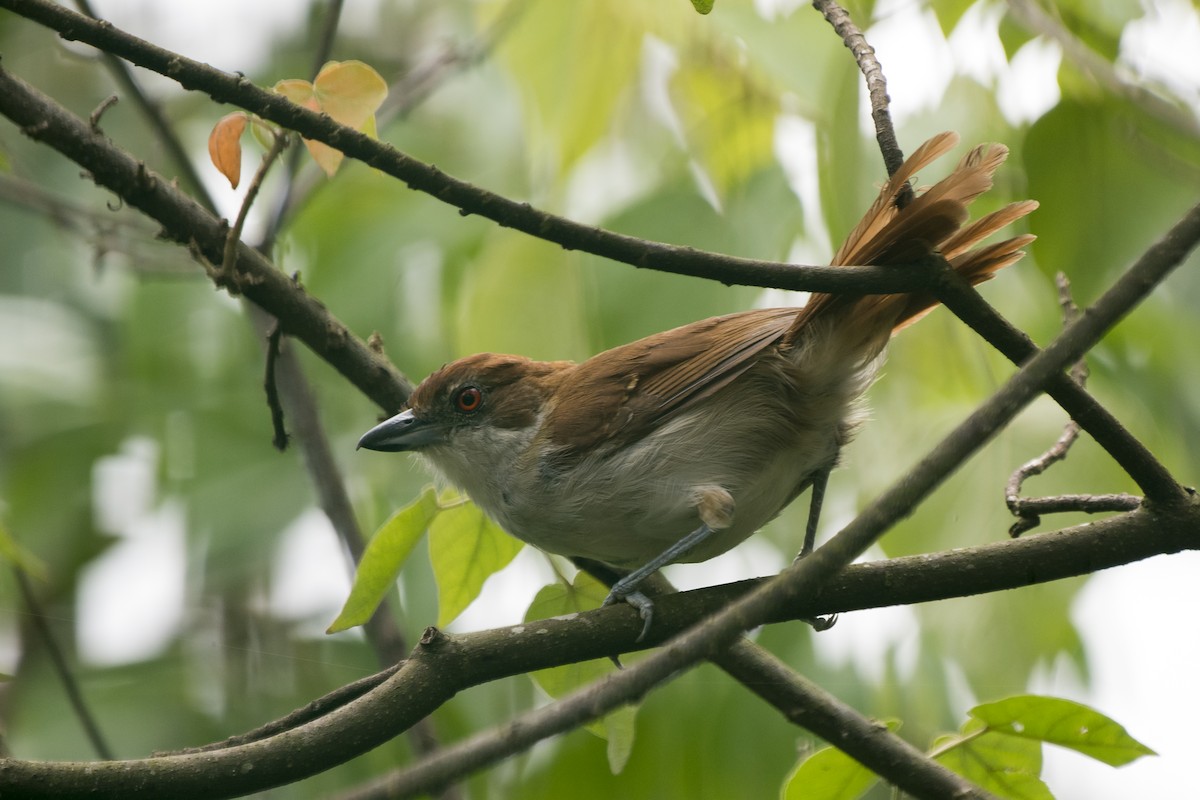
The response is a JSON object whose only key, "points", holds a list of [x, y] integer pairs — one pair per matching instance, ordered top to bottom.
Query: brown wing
{"points": [[621, 394]]}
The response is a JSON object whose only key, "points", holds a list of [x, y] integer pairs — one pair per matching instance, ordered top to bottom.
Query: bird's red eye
{"points": [[469, 399]]}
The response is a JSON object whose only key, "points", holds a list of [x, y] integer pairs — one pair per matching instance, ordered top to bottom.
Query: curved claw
{"points": [[643, 604], [821, 623]]}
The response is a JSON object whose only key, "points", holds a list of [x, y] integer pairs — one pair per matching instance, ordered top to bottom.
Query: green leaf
{"points": [[703, 6], [949, 12], [571, 86], [728, 116], [1102, 162], [511, 278], [466, 548], [386, 553], [561, 599], [1064, 723], [1003, 765], [830, 774]]}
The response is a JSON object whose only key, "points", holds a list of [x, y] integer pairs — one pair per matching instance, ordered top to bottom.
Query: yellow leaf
{"points": [[299, 91], [350, 92], [225, 148], [327, 158]]}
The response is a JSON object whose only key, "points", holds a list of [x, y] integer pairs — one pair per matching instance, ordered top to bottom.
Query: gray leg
{"points": [[816, 500], [626, 588]]}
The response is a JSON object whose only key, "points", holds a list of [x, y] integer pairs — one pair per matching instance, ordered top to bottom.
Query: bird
{"points": [[678, 446]]}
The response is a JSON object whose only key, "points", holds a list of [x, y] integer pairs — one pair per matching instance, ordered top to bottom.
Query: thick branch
{"points": [[226, 88], [445, 665]]}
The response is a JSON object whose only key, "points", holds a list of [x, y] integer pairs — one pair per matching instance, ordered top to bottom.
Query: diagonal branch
{"points": [[154, 115], [469, 199], [185, 221], [1135, 458], [810, 574], [316, 739]]}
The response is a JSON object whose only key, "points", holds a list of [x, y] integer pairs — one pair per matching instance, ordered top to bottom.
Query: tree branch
{"points": [[868, 64], [154, 114], [469, 199], [185, 221], [1155, 481], [444, 665], [421, 686]]}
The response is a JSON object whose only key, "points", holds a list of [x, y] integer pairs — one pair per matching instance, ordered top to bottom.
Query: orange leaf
{"points": [[224, 146]]}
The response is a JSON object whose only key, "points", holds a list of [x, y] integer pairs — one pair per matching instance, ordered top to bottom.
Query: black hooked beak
{"points": [[402, 432]]}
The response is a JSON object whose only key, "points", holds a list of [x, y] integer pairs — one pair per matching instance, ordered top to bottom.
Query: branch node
{"points": [[94, 117], [375, 343]]}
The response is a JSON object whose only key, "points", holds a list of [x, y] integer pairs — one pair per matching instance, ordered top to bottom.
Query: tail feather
{"points": [[932, 222]]}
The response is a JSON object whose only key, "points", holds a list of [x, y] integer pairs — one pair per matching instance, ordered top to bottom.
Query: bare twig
{"points": [[864, 56], [98, 112], [166, 134], [226, 275], [280, 439], [1134, 457], [1029, 510], [62, 668], [318, 708]]}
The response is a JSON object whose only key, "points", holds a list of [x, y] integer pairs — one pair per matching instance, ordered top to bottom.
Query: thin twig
{"points": [[864, 56], [98, 112], [158, 121], [226, 275], [280, 438], [1155, 481], [1028, 511], [62, 668], [318, 708]]}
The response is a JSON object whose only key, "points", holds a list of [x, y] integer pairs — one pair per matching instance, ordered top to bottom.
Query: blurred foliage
{"points": [[117, 357]]}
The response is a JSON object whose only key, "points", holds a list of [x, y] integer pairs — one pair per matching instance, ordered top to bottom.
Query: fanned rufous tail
{"points": [[932, 223]]}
